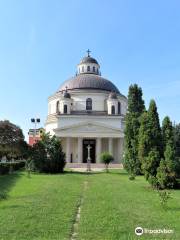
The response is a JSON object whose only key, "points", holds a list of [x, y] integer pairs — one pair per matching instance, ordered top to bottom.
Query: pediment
{"points": [[89, 127]]}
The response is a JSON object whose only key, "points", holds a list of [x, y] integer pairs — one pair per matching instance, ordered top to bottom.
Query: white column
{"points": [[111, 146], [120, 147], [68, 149], [98, 149], [79, 150], [119, 150]]}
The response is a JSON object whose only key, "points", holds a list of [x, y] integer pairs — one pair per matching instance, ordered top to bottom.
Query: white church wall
{"points": [[80, 102], [50, 127]]}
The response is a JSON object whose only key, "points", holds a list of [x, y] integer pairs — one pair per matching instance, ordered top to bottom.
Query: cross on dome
{"points": [[88, 52]]}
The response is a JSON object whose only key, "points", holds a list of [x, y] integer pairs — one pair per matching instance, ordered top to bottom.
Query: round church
{"points": [[87, 110]]}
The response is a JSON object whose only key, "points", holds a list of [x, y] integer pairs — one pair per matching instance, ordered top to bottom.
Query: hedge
{"points": [[7, 167]]}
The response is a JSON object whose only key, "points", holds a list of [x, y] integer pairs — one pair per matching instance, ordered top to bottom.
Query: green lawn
{"points": [[45, 206]]}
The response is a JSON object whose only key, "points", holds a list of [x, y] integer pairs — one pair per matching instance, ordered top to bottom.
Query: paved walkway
{"points": [[95, 167]]}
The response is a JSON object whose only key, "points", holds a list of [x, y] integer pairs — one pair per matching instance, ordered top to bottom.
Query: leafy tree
{"points": [[135, 109], [12, 144], [150, 146], [47, 155], [106, 158], [166, 176]]}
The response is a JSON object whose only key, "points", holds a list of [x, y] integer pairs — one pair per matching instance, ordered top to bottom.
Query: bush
{"points": [[47, 155], [106, 158], [8, 167], [177, 167], [4, 168], [165, 173], [132, 177], [164, 197]]}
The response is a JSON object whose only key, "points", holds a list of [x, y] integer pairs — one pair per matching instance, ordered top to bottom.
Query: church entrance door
{"points": [[92, 143]]}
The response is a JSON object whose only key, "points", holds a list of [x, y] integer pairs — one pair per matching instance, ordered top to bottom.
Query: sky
{"points": [[42, 41]]}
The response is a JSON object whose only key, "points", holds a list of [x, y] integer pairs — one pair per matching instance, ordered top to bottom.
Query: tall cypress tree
{"points": [[135, 109], [167, 133], [150, 142], [177, 149], [166, 171]]}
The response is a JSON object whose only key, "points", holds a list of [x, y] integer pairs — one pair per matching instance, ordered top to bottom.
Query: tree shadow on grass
{"points": [[6, 183]]}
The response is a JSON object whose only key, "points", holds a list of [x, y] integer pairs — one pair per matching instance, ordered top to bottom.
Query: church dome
{"points": [[88, 60], [88, 77], [89, 81]]}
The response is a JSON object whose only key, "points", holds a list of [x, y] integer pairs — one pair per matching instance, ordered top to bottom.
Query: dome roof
{"points": [[88, 59], [89, 81], [113, 95]]}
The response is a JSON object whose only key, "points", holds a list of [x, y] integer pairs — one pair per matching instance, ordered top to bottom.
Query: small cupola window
{"points": [[88, 68], [94, 69], [88, 104], [57, 107], [119, 108], [65, 109], [113, 110]]}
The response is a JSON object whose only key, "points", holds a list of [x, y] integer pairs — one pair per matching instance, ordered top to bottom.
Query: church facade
{"points": [[88, 110]]}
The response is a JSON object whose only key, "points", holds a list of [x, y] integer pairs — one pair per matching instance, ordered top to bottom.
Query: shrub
{"points": [[47, 155], [106, 158], [8, 167], [177, 167], [4, 168], [165, 174], [131, 177], [3, 195], [164, 197]]}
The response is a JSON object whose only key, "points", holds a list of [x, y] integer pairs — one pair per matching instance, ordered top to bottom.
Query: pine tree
{"points": [[135, 101], [135, 109], [155, 129], [167, 133], [150, 147], [177, 149], [166, 172], [166, 176]]}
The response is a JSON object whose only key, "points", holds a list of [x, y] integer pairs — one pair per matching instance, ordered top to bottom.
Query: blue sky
{"points": [[42, 41]]}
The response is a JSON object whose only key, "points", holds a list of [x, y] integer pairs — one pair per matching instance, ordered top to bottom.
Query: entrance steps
{"points": [[94, 165]]}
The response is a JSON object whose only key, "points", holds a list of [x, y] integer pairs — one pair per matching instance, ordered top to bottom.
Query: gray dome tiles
{"points": [[88, 60], [89, 81]]}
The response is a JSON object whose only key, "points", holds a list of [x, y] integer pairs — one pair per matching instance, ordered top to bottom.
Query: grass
{"points": [[44, 207]]}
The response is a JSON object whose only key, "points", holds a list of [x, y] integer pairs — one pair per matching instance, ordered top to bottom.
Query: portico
{"points": [[76, 151]]}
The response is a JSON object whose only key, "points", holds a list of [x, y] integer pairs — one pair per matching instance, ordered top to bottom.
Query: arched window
{"points": [[82, 68], [88, 68], [94, 69], [97, 71], [88, 104], [57, 107], [119, 108], [65, 109], [112, 109]]}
